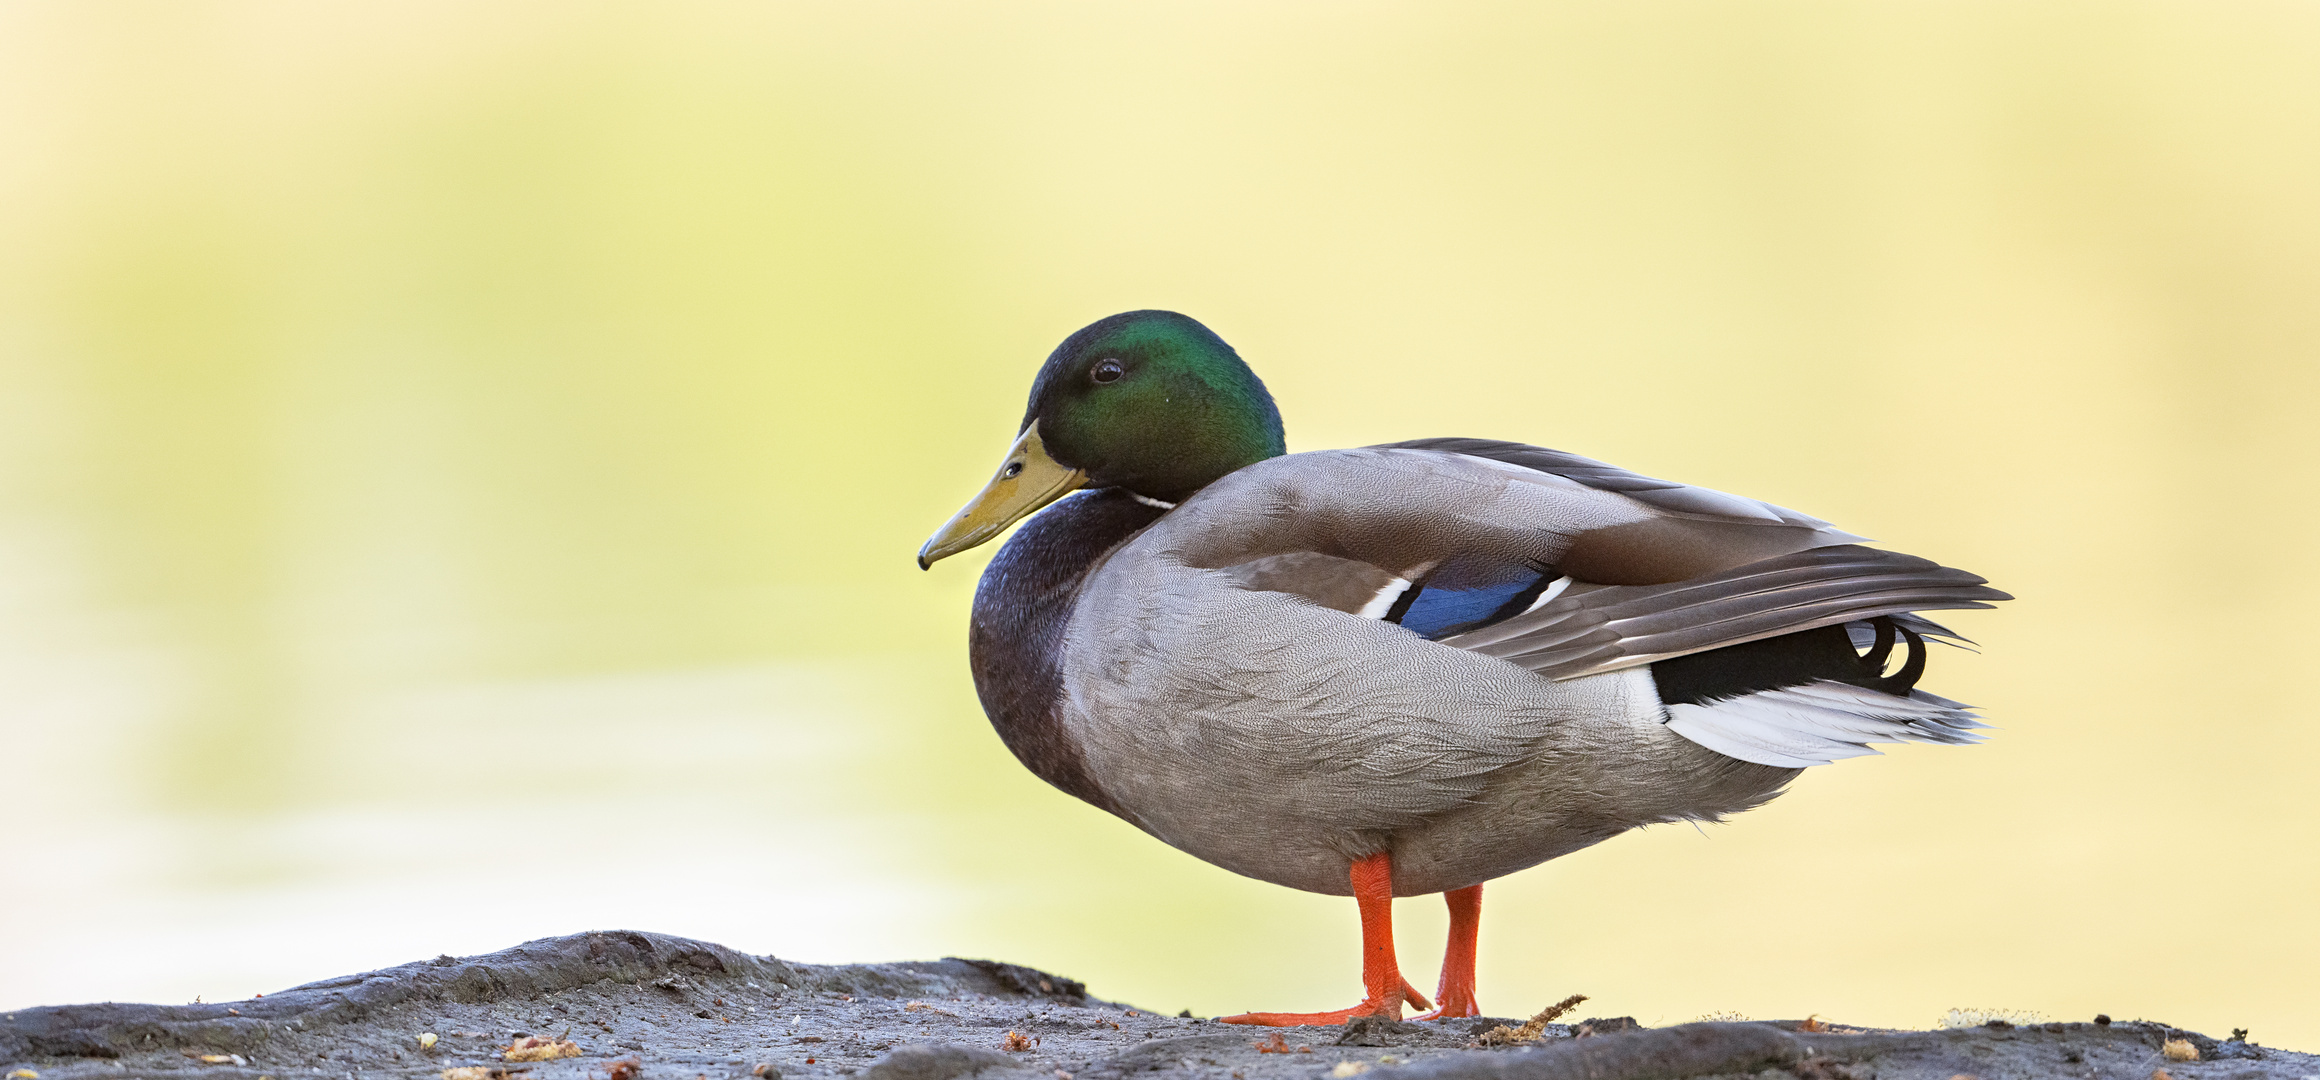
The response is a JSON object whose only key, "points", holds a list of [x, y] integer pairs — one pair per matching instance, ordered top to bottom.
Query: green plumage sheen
{"points": [[1181, 412]]}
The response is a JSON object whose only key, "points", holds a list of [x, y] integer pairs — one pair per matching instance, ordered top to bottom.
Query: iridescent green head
{"points": [[1148, 401], [1153, 402]]}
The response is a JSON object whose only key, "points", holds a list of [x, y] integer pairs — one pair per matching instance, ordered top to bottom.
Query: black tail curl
{"points": [[1796, 659], [1901, 682]]}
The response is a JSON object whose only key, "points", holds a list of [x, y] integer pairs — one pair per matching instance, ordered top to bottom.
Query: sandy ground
{"points": [[635, 1005]]}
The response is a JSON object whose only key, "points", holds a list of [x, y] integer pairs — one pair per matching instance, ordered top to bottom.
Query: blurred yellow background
{"points": [[460, 466]]}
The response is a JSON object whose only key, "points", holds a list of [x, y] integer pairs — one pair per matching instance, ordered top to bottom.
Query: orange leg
{"points": [[1381, 975], [1455, 999]]}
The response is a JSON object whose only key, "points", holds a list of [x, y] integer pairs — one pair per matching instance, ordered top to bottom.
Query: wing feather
{"points": [[1666, 495], [1658, 569], [1605, 628]]}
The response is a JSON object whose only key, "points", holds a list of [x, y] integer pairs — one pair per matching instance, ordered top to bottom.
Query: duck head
{"points": [[1150, 402]]}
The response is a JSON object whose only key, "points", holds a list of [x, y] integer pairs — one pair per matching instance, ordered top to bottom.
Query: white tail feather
{"points": [[1819, 722]]}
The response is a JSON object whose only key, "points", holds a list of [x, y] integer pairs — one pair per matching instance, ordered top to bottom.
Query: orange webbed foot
{"points": [[1385, 991], [1457, 992], [1454, 1006], [1391, 1010], [1324, 1019]]}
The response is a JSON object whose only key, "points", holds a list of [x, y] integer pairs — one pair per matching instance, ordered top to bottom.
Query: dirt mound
{"points": [[624, 1005]]}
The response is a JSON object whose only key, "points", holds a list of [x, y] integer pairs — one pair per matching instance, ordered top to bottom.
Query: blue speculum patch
{"points": [[1434, 613]]}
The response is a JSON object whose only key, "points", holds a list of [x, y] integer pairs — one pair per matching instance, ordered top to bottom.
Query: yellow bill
{"points": [[1027, 480]]}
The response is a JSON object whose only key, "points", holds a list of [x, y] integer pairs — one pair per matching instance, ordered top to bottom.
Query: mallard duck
{"points": [[1411, 668]]}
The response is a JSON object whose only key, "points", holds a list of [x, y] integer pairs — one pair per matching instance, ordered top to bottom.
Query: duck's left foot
{"points": [[1456, 997], [1454, 1005], [1391, 1010]]}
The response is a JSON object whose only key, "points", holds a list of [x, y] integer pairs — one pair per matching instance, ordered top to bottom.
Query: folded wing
{"points": [[1569, 567], [1588, 628]]}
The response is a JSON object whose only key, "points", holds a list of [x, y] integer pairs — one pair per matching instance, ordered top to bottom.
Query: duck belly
{"points": [[1282, 741]]}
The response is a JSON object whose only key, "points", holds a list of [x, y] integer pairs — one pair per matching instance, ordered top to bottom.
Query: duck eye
{"points": [[1107, 371], [1013, 470]]}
